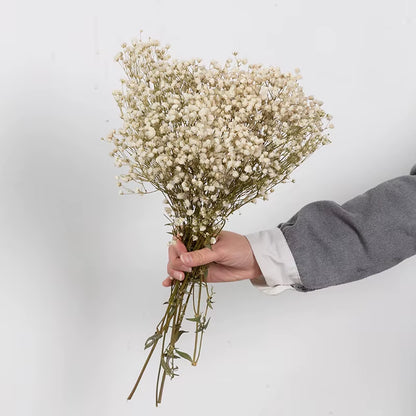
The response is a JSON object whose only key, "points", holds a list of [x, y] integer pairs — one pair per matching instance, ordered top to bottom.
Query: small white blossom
{"points": [[263, 92], [150, 132], [179, 221]]}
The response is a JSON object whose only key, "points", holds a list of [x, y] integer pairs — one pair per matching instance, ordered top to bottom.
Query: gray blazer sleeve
{"points": [[334, 244]]}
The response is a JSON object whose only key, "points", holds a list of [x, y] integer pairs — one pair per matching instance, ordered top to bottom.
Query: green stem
{"points": [[172, 301], [182, 314], [198, 315], [172, 321], [177, 321], [159, 369], [142, 371], [159, 398]]}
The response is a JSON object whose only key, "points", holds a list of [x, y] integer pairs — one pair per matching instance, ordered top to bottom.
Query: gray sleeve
{"points": [[334, 244]]}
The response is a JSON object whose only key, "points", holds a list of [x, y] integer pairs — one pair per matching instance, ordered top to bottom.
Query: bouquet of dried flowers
{"points": [[211, 139]]}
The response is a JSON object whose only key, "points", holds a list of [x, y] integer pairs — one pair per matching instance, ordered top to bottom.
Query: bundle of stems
{"points": [[210, 139], [195, 289]]}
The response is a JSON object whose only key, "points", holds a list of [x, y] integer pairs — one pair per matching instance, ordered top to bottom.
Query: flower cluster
{"points": [[210, 138]]}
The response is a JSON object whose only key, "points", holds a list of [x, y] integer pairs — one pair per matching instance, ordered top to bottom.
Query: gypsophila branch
{"points": [[211, 139]]}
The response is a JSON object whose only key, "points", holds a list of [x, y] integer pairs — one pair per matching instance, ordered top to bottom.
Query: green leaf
{"points": [[210, 302], [171, 311], [196, 319], [206, 324], [203, 326], [178, 335], [152, 340], [184, 355], [166, 367]]}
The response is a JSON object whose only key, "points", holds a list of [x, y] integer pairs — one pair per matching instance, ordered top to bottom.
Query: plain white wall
{"points": [[81, 267]]}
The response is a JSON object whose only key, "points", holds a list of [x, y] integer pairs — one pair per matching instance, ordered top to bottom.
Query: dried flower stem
{"points": [[211, 139], [172, 322]]}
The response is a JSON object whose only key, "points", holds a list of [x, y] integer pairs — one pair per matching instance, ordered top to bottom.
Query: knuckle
{"points": [[171, 252], [197, 257], [176, 264]]}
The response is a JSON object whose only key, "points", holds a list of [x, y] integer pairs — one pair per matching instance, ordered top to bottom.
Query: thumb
{"points": [[198, 257]]}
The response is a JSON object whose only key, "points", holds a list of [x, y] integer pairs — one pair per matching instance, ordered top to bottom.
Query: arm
{"points": [[324, 244], [334, 244]]}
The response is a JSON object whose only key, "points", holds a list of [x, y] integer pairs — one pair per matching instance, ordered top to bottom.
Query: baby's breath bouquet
{"points": [[211, 139]]}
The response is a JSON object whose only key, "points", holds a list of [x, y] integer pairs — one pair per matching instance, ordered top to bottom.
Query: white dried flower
{"points": [[263, 92], [150, 132], [179, 221]]}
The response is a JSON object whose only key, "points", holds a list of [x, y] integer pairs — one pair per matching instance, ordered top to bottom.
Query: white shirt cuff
{"points": [[276, 262]]}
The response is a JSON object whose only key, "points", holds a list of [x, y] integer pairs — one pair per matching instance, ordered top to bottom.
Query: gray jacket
{"points": [[334, 244]]}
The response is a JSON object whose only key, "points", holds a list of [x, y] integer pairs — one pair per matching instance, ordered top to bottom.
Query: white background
{"points": [[81, 267]]}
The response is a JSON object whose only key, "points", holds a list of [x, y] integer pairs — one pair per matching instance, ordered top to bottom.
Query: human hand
{"points": [[230, 259]]}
